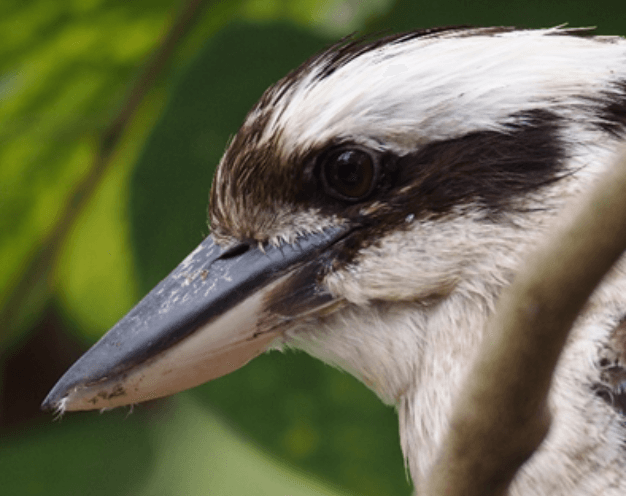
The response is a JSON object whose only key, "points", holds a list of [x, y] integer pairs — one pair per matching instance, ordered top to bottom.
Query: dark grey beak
{"points": [[215, 312]]}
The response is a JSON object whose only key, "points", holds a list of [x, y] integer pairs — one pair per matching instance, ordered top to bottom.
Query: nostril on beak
{"points": [[234, 251]]}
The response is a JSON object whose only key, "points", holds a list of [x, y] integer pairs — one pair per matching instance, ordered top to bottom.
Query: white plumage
{"points": [[443, 86], [466, 144], [413, 354]]}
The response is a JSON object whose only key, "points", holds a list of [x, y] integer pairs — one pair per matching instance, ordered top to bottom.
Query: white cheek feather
{"points": [[418, 90], [417, 304], [414, 354]]}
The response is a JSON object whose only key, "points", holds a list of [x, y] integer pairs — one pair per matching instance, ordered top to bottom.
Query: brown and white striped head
{"points": [[370, 209]]}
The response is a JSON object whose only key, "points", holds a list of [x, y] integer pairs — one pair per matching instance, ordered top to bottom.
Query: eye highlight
{"points": [[349, 173]]}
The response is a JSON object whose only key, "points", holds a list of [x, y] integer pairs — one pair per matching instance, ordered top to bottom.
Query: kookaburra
{"points": [[370, 210]]}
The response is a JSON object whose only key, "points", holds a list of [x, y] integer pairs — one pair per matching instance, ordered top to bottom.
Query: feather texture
{"points": [[480, 137]]}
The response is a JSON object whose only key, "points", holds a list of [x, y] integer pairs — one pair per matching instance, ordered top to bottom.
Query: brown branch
{"points": [[36, 278], [499, 419]]}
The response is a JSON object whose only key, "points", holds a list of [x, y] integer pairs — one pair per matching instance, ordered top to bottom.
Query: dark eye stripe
{"points": [[490, 169]]}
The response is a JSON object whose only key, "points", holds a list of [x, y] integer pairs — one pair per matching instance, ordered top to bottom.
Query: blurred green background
{"points": [[107, 148]]}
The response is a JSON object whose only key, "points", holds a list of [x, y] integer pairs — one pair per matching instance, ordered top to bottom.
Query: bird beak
{"points": [[216, 311]]}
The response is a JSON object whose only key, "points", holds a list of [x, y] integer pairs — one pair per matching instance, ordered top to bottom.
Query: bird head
{"points": [[369, 211]]}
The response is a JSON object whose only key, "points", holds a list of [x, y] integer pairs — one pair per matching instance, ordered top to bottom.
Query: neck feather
{"points": [[584, 452]]}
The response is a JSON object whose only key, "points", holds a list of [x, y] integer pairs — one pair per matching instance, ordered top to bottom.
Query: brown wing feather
{"points": [[612, 386]]}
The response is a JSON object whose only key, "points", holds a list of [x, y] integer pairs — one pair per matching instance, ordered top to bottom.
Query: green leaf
{"points": [[61, 68], [169, 448]]}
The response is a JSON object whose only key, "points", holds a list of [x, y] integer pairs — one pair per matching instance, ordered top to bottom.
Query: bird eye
{"points": [[349, 174]]}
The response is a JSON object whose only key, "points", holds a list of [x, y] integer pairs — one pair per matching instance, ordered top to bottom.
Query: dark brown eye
{"points": [[349, 174]]}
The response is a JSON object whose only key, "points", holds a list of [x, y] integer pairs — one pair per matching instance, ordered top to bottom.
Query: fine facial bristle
{"points": [[59, 409]]}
